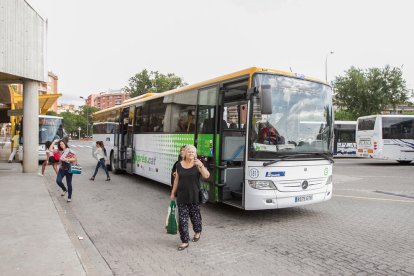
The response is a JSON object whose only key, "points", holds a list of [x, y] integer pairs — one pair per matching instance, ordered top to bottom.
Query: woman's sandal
{"points": [[92, 178], [108, 179], [195, 239], [182, 247]]}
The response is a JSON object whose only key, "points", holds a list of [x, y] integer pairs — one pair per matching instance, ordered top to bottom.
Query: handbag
{"points": [[75, 169], [203, 195], [171, 223]]}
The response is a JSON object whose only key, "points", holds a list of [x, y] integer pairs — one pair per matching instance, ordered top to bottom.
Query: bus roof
{"points": [[246, 72], [50, 116], [389, 116], [345, 122]]}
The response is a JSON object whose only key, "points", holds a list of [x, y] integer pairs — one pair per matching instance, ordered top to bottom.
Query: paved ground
{"points": [[367, 228], [33, 240]]}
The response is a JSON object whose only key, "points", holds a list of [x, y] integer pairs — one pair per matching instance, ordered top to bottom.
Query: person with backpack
{"points": [[100, 155]]}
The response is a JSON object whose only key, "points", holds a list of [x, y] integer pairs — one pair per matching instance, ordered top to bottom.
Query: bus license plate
{"points": [[303, 198]]}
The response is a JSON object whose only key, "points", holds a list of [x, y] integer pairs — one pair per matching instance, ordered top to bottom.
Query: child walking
{"points": [[100, 155]]}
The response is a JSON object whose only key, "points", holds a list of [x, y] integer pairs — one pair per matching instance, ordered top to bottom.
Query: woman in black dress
{"points": [[187, 188]]}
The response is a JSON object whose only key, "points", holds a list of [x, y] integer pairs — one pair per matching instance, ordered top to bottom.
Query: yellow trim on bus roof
{"points": [[246, 72]]}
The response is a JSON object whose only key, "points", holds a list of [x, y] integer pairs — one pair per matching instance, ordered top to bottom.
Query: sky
{"points": [[97, 45]]}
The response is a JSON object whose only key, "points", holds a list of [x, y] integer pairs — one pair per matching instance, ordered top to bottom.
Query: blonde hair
{"points": [[190, 147]]}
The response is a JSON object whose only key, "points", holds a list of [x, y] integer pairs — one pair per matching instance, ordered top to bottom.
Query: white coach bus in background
{"points": [[104, 131], [387, 137], [344, 138]]}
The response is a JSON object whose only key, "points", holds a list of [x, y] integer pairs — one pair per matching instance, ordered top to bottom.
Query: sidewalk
{"points": [[33, 240]]}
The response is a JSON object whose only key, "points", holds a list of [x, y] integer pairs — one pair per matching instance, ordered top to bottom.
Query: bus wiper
{"points": [[324, 155], [284, 157]]}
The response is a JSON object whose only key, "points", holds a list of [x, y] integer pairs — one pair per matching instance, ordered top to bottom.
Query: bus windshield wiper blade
{"points": [[324, 155], [284, 157]]}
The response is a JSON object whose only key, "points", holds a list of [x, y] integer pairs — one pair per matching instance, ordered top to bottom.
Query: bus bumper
{"points": [[273, 199]]}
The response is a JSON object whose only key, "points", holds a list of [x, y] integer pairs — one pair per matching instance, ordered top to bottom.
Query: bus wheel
{"points": [[404, 162], [112, 164]]}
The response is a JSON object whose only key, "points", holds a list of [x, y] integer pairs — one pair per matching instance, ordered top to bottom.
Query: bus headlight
{"points": [[329, 180], [262, 184]]}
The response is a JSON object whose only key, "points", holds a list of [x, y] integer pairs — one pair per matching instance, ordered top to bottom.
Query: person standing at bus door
{"points": [[15, 142], [100, 155], [67, 157], [50, 159], [174, 168], [187, 188]]}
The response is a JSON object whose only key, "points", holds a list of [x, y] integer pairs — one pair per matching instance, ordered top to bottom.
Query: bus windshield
{"points": [[301, 119], [50, 129]]}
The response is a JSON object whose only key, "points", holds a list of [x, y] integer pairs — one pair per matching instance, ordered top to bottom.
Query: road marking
{"points": [[80, 146], [375, 198]]}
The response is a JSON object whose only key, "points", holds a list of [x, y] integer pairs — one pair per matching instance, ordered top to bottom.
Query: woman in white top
{"points": [[100, 155]]}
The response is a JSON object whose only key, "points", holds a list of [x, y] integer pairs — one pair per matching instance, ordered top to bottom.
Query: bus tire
{"points": [[404, 162], [112, 164]]}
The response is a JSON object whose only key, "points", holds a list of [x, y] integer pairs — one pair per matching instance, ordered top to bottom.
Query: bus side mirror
{"points": [[265, 94]]}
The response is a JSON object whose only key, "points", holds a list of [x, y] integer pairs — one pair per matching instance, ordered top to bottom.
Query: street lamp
{"points": [[326, 65], [87, 120], [79, 128]]}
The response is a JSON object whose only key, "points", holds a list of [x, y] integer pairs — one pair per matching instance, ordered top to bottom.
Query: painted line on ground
{"points": [[375, 198]]}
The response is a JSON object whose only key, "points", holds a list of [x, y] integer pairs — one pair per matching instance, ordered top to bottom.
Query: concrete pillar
{"points": [[30, 126]]}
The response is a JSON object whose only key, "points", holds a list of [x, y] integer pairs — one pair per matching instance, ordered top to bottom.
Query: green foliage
{"points": [[153, 81], [366, 92], [51, 113], [343, 115], [82, 119], [71, 121]]}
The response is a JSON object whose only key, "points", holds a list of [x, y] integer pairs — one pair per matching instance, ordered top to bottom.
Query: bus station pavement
{"points": [[34, 238]]}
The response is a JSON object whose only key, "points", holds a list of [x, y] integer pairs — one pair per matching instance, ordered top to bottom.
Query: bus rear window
{"points": [[366, 124], [397, 128]]}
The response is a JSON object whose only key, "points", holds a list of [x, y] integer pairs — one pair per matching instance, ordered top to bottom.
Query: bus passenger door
{"points": [[233, 119], [206, 137], [125, 140], [129, 147]]}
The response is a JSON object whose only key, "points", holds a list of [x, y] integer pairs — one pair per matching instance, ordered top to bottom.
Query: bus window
{"points": [[397, 128]]}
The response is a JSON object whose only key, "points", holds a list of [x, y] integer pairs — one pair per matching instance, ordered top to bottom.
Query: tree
{"points": [[153, 81], [366, 92], [51, 113], [85, 118], [71, 121]]}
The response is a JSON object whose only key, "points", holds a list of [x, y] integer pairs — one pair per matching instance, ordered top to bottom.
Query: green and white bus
{"points": [[266, 137]]}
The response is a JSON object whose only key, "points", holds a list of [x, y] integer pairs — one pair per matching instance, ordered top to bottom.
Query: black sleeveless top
{"points": [[188, 185]]}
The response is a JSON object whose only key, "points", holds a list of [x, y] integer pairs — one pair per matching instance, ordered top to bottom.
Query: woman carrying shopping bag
{"points": [[100, 155], [67, 158], [187, 189]]}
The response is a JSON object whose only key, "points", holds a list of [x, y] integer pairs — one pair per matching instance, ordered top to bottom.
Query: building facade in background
{"points": [[45, 88], [107, 99], [66, 108]]}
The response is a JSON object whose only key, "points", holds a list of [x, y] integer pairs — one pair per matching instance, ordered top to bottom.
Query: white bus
{"points": [[50, 128], [266, 137], [387, 137], [344, 138]]}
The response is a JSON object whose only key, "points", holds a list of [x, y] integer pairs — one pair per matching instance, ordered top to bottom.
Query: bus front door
{"points": [[233, 118], [206, 138], [125, 146]]}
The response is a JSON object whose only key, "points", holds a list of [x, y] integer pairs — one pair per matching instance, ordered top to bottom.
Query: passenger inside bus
{"points": [[190, 126], [269, 135]]}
